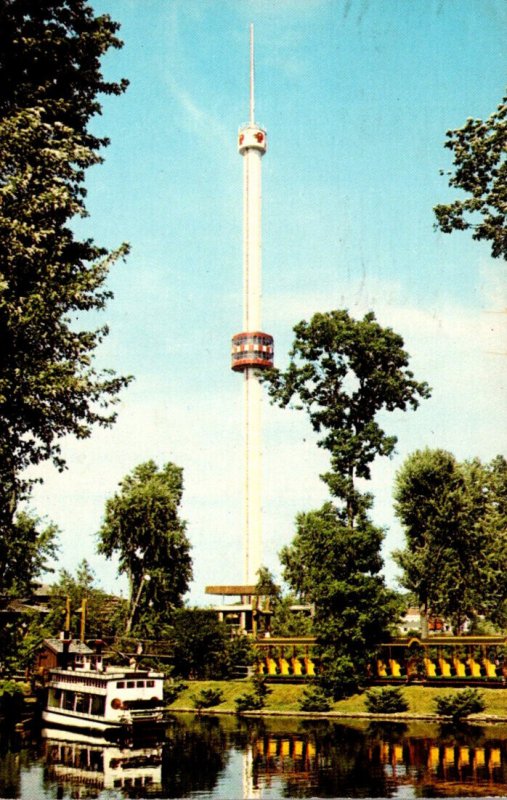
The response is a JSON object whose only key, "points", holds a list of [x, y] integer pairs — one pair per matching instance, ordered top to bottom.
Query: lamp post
{"points": [[145, 579]]}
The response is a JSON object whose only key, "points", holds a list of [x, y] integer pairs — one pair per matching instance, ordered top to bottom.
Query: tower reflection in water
{"points": [[74, 760]]}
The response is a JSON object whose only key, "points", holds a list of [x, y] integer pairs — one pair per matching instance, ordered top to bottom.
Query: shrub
{"points": [[260, 687], [172, 690], [207, 698], [11, 699], [314, 699], [387, 700], [253, 701], [249, 702], [460, 704]]}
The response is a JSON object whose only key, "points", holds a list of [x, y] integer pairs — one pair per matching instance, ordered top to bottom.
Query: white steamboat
{"points": [[83, 694]]}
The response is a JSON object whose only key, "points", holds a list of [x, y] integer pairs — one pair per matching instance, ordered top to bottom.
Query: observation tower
{"points": [[252, 349]]}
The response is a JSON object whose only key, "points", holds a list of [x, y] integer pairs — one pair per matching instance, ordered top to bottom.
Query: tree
{"points": [[50, 79], [480, 170], [343, 372], [454, 517], [142, 527], [26, 553], [24, 556], [338, 569], [103, 616], [202, 644]]}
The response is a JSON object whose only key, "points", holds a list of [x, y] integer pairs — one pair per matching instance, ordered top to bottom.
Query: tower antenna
{"points": [[252, 75]]}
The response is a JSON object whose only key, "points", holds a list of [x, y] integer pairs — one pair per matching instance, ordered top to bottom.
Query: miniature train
{"points": [[442, 660]]}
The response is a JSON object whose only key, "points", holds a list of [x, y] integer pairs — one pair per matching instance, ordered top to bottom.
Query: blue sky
{"points": [[356, 97]]}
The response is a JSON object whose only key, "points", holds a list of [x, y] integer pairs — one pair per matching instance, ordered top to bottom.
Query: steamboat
{"points": [[82, 693]]}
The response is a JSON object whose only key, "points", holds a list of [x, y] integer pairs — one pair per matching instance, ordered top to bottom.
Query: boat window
{"points": [[120, 684], [131, 684], [140, 684], [150, 684], [55, 697], [68, 701], [82, 702], [98, 705]]}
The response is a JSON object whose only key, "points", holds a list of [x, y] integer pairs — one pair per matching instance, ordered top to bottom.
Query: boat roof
{"points": [[75, 647]]}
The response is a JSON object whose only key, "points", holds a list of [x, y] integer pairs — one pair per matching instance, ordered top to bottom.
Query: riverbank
{"points": [[283, 700]]}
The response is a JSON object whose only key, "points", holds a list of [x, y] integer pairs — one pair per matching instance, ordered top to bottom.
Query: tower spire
{"points": [[252, 75]]}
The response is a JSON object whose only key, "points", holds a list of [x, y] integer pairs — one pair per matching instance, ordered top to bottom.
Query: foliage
{"points": [[50, 79], [480, 170], [343, 372], [455, 521], [143, 528], [26, 553], [338, 569], [266, 599], [104, 613], [285, 621], [20, 636], [202, 645], [240, 653], [260, 686], [172, 690], [207, 698], [11, 699], [256, 699], [314, 699], [386, 700], [249, 701], [460, 704]]}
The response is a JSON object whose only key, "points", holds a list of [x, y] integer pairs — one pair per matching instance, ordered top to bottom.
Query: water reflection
{"points": [[215, 758], [74, 761]]}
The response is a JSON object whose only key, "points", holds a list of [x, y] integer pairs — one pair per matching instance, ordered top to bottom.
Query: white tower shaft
{"points": [[252, 239], [252, 290], [252, 350]]}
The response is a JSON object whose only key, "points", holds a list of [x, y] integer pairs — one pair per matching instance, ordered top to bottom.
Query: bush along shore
{"points": [[418, 702]]}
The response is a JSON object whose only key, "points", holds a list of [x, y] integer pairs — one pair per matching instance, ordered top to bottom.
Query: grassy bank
{"points": [[285, 698]]}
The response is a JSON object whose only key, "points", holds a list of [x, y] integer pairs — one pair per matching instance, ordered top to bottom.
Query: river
{"points": [[225, 757]]}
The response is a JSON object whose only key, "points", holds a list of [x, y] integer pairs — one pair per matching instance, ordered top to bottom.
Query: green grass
{"points": [[285, 697]]}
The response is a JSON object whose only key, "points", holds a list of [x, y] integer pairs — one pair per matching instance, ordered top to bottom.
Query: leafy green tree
{"points": [[50, 79], [480, 170], [343, 372], [455, 519], [143, 528], [28, 552], [25, 554], [338, 569], [104, 614], [288, 621], [22, 633], [202, 644]]}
